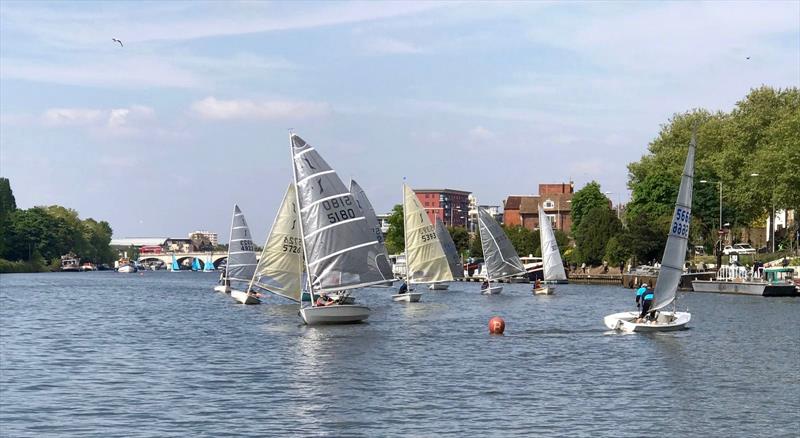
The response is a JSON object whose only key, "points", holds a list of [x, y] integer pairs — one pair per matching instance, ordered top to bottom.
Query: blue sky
{"points": [[162, 136]]}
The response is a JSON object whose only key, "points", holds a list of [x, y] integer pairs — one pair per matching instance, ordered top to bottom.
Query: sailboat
{"points": [[363, 203], [450, 250], [341, 252], [551, 258], [241, 259], [500, 260], [426, 261], [196, 264], [208, 265], [671, 265], [175, 267], [280, 268]]}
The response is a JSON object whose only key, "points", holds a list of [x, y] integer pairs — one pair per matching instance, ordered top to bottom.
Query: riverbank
{"points": [[21, 267]]}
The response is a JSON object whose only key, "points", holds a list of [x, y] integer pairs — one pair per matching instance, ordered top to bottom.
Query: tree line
{"points": [[37, 237]]}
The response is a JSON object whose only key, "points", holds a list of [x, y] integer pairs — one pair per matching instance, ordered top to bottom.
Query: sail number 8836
{"points": [[340, 209]]}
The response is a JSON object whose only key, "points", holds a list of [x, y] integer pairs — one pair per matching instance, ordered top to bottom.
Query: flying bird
{"points": [[117, 41], [747, 57]]}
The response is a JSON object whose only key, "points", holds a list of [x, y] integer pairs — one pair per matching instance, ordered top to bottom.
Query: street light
{"points": [[611, 193], [771, 231]]}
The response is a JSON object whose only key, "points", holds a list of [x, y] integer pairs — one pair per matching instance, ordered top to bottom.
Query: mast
{"points": [[300, 221], [405, 233], [230, 236]]}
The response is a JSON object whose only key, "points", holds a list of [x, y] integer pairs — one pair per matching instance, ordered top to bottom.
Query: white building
{"points": [[212, 237]]}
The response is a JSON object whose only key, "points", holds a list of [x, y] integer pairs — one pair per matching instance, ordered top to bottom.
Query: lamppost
{"points": [[771, 231]]}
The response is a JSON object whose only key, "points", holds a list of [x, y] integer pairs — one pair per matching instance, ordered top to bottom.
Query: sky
{"points": [[162, 136]]}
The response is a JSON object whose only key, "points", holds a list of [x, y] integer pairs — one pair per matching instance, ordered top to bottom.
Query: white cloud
{"points": [[389, 46], [216, 109], [72, 116], [112, 121], [480, 134]]}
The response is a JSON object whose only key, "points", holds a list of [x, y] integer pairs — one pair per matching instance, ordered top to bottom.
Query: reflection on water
{"points": [[108, 354]]}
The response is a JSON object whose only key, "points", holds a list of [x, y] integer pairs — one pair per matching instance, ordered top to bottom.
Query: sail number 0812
{"points": [[339, 209]]}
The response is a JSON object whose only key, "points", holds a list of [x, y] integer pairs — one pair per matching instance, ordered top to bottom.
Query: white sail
{"points": [[372, 222], [450, 250], [241, 251], [341, 251], [675, 252], [551, 257], [425, 258], [500, 258], [280, 268]]}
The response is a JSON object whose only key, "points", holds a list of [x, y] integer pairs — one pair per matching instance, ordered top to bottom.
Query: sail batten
{"points": [[678, 239], [241, 257], [500, 257], [338, 258], [425, 258], [553, 267], [280, 268]]}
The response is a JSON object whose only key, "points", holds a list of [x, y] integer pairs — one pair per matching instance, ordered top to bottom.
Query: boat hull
{"points": [[126, 269], [438, 286], [222, 288], [745, 288], [492, 290], [549, 290], [244, 297], [408, 297], [335, 314], [666, 321]]}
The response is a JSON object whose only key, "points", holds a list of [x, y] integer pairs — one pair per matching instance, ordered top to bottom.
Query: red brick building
{"points": [[555, 199], [451, 206]]}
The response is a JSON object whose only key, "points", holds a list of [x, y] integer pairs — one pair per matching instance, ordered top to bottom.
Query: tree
{"points": [[585, 200], [7, 206], [598, 226], [395, 236], [460, 237], [645, 237], [522, 239], [475, 247], [616, 253]]}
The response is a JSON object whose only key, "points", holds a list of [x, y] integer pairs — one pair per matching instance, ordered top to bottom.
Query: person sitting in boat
{"points": [[537, 284], [485, 285], [403, 288], [639, 293], [325, 300], [647, 301]]}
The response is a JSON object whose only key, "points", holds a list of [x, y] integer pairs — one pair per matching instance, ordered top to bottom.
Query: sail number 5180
{"points": [[339, 209]]}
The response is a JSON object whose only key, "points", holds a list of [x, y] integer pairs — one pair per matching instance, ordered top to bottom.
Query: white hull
{"points": [[126, 269], [438, 286], [222, 288], [493, 290], [550, 290], [244, 297], [408, 297], [334, 314], [666, 321]]}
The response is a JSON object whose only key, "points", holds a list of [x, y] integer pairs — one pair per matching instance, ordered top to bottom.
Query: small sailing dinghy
{"points": [[363, 203], [450, 250], [341, 252], [500, 257], [241, 259], [426, 261], [208, 265], [175, 266], [552, 266], [671, 266], [280, 268]]}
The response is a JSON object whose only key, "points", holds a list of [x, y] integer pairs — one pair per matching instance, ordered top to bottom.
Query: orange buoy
{"points": [[496, 325]]}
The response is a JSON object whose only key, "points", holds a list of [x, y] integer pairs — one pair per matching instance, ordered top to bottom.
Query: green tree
{"points": [[583, 201], [7, 206], [598, 226], [395, 236], [460, 237], [645, 237], [522, 239], [475, 248], [616, 252]]}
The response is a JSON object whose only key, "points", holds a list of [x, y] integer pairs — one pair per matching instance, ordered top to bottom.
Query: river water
{"points": [[161, 354]]}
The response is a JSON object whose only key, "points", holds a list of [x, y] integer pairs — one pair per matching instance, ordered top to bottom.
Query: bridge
{"points": [[216, 258]]}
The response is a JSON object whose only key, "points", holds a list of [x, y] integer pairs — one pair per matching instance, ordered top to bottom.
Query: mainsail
{"points": [[372, 222], [450, 250], [341, 251], [241, 252], [675, 252], [551, 257], [425, 258], [500, 258], [195, 264], [175, 265], [208, 265], [280, 268]]}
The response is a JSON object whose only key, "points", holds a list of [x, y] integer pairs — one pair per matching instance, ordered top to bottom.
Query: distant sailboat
{"points": [[450, 250], [341, 251], [500, 260], [241, 261], [426, 261], [196, 264], [208, 265], [176, 267], [553, 267], [280, 268], [669, 276]]}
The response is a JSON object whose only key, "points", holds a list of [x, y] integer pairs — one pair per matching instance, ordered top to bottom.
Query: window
{"points": [[549, 204], [552, 218]]}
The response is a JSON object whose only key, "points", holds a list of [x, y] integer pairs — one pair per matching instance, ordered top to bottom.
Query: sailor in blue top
{"points": [[639, 293], [647, 301]]}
